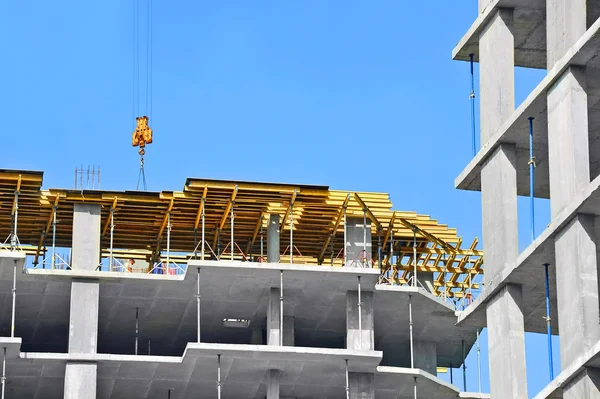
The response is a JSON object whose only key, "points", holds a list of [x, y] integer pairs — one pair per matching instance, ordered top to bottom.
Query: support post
{"points": [[472, 100], [531, 179], [232, 227], [203, 230], [345, 237], [54, 238], [365, 238], [14, 239], [168, 241], [262, 243], [110, 250], [415, 258], [379, 260], [14, 300], [198, 307], [281, 308], [359, 314], [410, 323], [548, 326], [137, 329], [478, 362], [464, 366], [3, 373], [219, 376], [347, 382]]}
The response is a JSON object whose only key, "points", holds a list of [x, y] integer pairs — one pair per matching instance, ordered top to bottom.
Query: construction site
{"points": [[228, 289]]}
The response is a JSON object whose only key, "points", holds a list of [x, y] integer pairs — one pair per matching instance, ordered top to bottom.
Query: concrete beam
{"points": [[565, 24], [568, 138], [86, 236], [273, 250], [362, 339], [506, 344], [80, 380], [586, 385]]}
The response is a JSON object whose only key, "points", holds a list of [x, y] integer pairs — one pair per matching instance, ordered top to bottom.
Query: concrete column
{"points": [[565, 24], [496, 73], [568, 139], [355, 236], [273, 250], [85, 254], [426, 279], [577, 296], [83, 323], [273, 325], [256, 337], [360, 339], [506, 344], [426, 356], [80, 380], [362, 385], [586, 385], [273, 388]]}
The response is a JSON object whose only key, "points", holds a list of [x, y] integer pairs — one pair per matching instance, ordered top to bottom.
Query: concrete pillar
{"points": [[565, 24], [496, 73], [568, 139], [355, 238], [273, 250], [85, 254], [426, 280], [577, 296], [83, 323], [273, 325], [256, 337], [363, 339], [506, 343], [425, 356], [80, 380], [273, 382], [362, 385], [586, 385]]}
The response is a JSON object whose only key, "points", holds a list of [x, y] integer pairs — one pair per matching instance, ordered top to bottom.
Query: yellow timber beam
{"points": [[16, 199], [201, 208], [366, 209], [288, 210], [225, 215], [107, 223], [163, 225], [336, 225], [256, 230], [45, 232], [388, 233], [427, 235]]}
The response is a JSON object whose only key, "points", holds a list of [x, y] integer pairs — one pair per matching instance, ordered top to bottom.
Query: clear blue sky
{"points": [[355, 95]]}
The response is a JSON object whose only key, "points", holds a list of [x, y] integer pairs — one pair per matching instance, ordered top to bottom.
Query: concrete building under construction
{"points": [[549, 148], [228, 290]]}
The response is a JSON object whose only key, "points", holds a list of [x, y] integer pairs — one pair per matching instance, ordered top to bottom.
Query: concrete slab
{"points": [[529, 32], [516, 129], [528, 271], [434, 321], [590, 358]]}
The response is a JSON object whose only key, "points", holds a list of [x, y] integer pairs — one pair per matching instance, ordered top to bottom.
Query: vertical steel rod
{"points": [[472, 99], [531, 178], [232, 225], [112, 230], [291, 233], [365, 237], [15, 238], [54, 238], [345, 238], [203, 239], [168, 241], [195, 243], [262, 243], [379, 250], [391, 254], [415, 257], [14, 301], [198, 306], [281, 308], [359, 315], [410, 323], [548, 326], [137, 329], [149, 351], [478, 363], [464, 367], [4, 373], [219, 376], [451, 376], [347, 381], [415, 388], [168, 394]]}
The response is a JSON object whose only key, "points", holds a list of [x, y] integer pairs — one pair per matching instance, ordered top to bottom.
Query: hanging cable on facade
{"points": [[142, 134]]}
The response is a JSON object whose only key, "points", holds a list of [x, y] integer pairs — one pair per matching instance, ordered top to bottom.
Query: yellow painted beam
{"points": [[201, 207], [366, 209], [288, 210], [225, 215], [166, 218], [107, 223], [48, 224], [335, 227], [256, 230], [388, 233], [427, 235]]}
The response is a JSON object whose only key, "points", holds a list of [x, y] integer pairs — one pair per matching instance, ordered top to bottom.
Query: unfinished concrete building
{"points": [[548, 147], [227, 290]]}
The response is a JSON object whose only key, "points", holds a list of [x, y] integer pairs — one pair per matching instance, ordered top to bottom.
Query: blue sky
{"points": [[354, 95]]}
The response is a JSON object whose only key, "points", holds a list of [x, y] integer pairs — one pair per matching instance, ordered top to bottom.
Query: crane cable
{"points": [[142, 133]]}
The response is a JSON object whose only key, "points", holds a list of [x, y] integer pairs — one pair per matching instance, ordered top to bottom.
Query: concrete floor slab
{"points": [[529, 32], [516, 129], [528, 270]]}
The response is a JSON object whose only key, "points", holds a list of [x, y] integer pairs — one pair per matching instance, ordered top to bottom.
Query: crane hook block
{"points": [[142, 134]]}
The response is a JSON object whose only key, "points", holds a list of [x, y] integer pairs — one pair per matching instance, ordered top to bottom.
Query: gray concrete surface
{"points": [[566, 23], [515, 130], [273, 239], [355, 240], [85, 253], [83, 317], [360, 336], [80, 380], [362, 385]]}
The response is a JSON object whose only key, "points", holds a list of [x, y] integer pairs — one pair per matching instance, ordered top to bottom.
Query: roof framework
{"points": [[315, 213]]}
